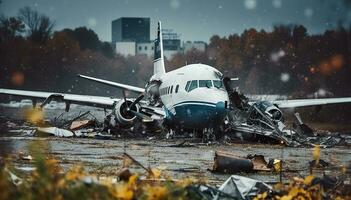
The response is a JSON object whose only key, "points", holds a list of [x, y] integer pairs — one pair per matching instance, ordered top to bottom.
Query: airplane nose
{"points": [[221, 105], [221, 108]]}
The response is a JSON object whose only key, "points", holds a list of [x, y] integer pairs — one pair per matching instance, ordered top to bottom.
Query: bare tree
{"points": [[40, 27], [10, 28]]}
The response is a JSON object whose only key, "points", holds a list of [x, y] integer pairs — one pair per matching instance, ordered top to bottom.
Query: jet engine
{"points": [[264, 112], [124, 114]]}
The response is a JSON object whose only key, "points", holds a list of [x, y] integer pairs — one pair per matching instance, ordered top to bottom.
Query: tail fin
{"points": [[159, 65]]}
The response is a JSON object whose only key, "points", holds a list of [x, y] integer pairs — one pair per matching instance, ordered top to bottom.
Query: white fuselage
{"points": [[193, 96]]}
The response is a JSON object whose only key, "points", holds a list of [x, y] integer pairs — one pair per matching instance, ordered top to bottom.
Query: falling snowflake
{"points": [[277, 3], [175, 4], [250, 4], [308, 12], [92, 22], [281, 53], [275, 56], [284, 77], [322, 92]]}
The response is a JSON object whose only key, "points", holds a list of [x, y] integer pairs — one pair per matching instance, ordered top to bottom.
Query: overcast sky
{"points": [[193, 19]]}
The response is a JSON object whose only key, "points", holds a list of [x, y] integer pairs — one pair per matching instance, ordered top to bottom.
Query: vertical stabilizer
{"points": [[159, 65]]}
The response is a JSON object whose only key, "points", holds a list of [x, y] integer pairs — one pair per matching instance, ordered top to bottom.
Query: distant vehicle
{"points": [[195, 97], [26, 103], [11, 104], [54, 105]]}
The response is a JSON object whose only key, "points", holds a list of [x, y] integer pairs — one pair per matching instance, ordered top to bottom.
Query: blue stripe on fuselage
{"points": [[196, 115]]}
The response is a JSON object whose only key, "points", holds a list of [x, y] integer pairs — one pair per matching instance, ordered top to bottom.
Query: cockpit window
{"points": [[205, 83], [218, 83], [193, 85], [187, 86]]}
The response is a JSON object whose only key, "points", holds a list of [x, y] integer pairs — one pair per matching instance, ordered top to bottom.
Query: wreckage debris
{"points": [[76, 125], [53, 131], [23, 156], [230, 163], [244, 188]]}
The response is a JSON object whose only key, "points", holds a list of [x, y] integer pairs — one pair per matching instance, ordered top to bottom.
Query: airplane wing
{"points": [[119, 85], [97, 101], [310, 102]]}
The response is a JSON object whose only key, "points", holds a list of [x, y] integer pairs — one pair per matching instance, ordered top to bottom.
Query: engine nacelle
{"points": [[268, 109], [123, 115]]}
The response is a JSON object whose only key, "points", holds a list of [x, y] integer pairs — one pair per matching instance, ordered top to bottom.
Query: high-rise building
{"points": [[131, 29], [171, 43]]}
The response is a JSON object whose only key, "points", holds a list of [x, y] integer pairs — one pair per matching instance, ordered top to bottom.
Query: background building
{"points": [[128, 29], [127, 32], [131, 36], [171, 43], [125, 48], [145, 48]]}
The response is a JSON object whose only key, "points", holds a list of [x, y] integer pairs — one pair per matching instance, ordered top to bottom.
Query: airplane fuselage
{"points": [[193, 97]]}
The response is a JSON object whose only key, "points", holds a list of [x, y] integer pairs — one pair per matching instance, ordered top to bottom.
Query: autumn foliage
{"points": [[300, 62]]}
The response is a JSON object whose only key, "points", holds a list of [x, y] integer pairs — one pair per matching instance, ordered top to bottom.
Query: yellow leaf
{"points": [[34, 116], [316, 153], [277, 165], [74, 173], [155, 173], [308, 180], [132, 181], [122, 191], [156, 192], [261, 196]]}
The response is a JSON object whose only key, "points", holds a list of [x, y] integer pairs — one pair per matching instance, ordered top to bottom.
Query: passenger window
{"points": [[205, 83], [218, 83], [193, 85], [187, 86], [171, 89], [176, 89]]}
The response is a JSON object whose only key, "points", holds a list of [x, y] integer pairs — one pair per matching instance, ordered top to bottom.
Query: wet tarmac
{"points": [[104, 157]]}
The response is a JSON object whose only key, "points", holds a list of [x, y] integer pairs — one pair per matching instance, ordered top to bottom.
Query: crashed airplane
{"points": [[196, 97]]}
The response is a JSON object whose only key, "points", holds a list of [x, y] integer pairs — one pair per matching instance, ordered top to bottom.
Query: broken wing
{"points": [[97, 101], [310, 102]]}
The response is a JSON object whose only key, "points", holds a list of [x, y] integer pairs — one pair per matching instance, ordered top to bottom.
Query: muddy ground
{"points": [[104, 156]]}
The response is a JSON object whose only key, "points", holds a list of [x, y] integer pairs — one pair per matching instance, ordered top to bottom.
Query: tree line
{"points": [[287, 60]]}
